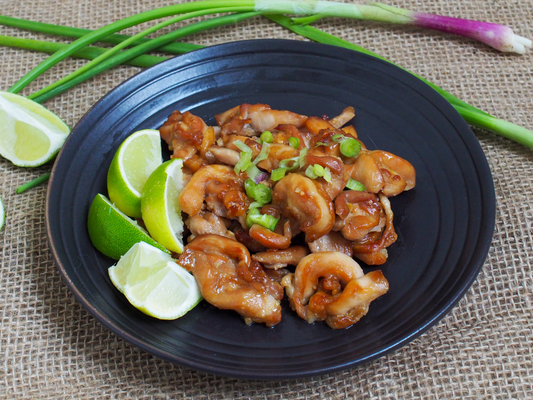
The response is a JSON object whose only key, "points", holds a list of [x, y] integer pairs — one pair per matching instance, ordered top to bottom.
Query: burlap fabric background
{"points": [[51, 348]]}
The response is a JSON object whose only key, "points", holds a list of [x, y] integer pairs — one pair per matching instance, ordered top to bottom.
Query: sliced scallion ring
{"points": [[267, 137], [294, 142], [350, 147], [355, 185]]}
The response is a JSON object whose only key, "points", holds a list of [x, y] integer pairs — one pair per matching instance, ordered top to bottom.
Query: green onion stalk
{"points": [[76, 33], [87, 53]]}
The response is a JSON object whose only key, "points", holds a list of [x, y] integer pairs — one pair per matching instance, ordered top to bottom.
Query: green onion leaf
{"points": [[267, 137], [294, 142], [350, 147], [277, 174], [35, 182], [355, 185]]}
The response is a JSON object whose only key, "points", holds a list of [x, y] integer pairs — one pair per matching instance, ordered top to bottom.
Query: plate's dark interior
{"points": [[444, 225]]}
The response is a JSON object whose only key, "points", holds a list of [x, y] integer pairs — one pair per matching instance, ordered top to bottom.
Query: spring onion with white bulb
{"points": [[498, 36]]}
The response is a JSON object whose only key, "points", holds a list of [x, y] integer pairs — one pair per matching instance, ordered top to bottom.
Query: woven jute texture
{"points": [[52, 348]]}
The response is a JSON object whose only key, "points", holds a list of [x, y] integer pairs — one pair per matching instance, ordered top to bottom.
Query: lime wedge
{"points": [[30, 135], [136, 158], [160, 206], [112, 232], [154, 283]]}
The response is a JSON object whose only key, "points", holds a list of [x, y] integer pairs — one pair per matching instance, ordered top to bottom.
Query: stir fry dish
{"points": [[281, 204]]}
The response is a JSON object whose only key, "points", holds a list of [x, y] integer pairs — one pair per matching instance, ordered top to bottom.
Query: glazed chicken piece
{"points": [[252, 120], [189, 138], [380, 171], [220, 188], [304, 200], [360, 213], [205, 223], [270, 239], [332, 241], [372, 248], [276, 259], [229, 279], [332, 287]]}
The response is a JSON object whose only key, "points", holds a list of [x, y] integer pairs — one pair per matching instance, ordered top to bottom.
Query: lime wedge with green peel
{"points": [[30, 135], [136, 158], [160, 206], [2, 215], [112, 232], [154, 283]]}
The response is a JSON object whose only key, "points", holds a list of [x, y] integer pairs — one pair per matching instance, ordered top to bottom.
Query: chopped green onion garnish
{"points": [[267, 137], [294, 142], [242, 147], [350, 147], [263, 155], [246, 157], [302, 157], [244, 162], [289, 163], [319, 170], [310, 172], [255, 173], [277, 174], [327, 175], [355, 185], [260, 193], [255, 204], [251, 213], [265, 220]]}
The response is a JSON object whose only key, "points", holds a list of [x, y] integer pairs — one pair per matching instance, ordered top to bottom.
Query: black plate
{"points": [[444, 225]]}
